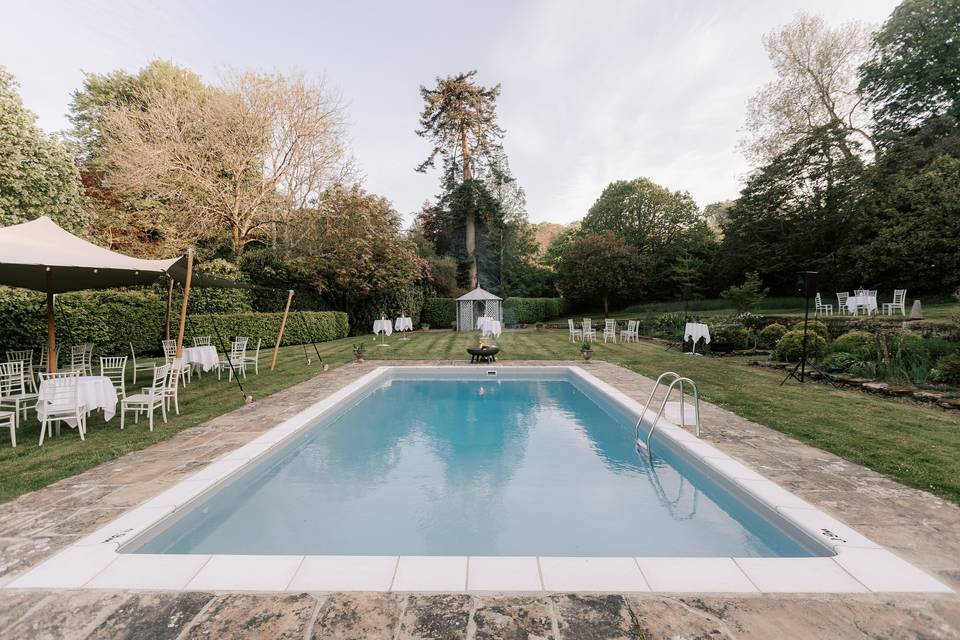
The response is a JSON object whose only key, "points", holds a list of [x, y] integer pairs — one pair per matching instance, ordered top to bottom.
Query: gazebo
{"points": [[475, 304]]}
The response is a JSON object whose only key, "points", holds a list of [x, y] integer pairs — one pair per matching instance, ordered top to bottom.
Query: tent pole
{"points": [[186, 297], [169, 303], [283, 324], [51, 328]]}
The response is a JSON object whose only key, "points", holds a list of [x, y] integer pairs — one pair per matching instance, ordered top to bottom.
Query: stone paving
{"points": [[918, 526]]}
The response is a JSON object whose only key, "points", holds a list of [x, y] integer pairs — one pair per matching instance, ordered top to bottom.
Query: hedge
{"points": [[533, 310], [439, 313], [114, 319]]}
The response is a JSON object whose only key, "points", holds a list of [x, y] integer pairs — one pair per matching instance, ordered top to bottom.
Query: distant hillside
{"points": [[545, 233]]}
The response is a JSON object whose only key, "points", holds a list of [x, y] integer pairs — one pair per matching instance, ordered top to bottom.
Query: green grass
{"points": [[936, 308], [917, 445]]}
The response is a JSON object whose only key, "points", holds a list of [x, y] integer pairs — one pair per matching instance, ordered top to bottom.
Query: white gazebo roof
{"points": [[478, 294]]}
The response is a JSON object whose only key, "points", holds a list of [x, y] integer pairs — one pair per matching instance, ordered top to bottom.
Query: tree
{"points": [[913, 73], [816, 86], [459, 118], [243, 157], [37, 175], [797, 212], [657, 223], [352, 245], [600, 268], [748, 295]]}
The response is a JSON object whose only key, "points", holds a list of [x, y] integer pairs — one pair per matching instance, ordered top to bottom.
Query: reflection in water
{"points": [[486, 467]]}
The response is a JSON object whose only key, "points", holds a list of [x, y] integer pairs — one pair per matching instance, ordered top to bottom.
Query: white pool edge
{"points": [[94, 561]]}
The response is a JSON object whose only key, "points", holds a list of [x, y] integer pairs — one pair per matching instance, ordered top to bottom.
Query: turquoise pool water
{"points": [[512, 467]]}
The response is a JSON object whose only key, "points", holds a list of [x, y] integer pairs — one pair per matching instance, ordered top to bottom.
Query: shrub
{"points": [[748, 295], [532, 310], [439, 312], [113, 319], [668, 324], [813, 326], [302, 327], [771, 334], [728, 337], [861, 344], [790, 346], [947, 369]]}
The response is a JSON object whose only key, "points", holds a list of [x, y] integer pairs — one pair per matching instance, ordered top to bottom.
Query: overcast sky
{"points": [[591, 91]]}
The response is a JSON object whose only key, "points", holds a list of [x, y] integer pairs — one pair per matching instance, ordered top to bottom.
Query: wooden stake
{"points": [[186, 297], [169, 303], [283, 324], [51, 328]]}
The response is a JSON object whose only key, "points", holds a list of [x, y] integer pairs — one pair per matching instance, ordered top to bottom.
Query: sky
{"points": [[591, 91]]}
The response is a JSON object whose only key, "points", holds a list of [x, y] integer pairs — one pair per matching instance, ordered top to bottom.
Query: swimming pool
{"points": [[517, 464], [425, 478]]}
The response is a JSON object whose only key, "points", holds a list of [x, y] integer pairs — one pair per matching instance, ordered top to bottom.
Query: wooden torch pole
{"points": [[186, 297], [169, 303], [283, 325], [51, 327]]}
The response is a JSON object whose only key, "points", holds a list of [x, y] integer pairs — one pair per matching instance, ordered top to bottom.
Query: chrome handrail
{"points": [[677, 379]]}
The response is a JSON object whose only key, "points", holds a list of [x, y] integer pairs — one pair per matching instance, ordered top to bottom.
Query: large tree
{"points": [[914, 71], [815, 86], [460, 120], [243, 157], [37, 175], [797, 213], [657, 223], [600, 268]]}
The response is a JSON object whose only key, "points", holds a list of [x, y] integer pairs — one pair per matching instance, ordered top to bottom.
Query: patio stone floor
{"points": [[920, 527]]}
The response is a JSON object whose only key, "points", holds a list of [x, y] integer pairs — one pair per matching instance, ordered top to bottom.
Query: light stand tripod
{"points": [[806, 283]]}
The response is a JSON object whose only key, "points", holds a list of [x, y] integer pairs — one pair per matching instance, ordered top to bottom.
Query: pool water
{"points": [[512, 467]]}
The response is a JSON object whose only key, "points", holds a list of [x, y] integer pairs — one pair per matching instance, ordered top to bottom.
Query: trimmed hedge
{"points": [[533, 310], [439, 313], [113, 319], [316, 326]]}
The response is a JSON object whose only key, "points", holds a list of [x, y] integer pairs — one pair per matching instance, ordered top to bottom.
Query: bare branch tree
{"points": [[816, 85]]}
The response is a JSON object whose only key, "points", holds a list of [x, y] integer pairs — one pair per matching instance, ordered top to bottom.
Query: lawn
{"points": [[938, 308], [917, 445]]}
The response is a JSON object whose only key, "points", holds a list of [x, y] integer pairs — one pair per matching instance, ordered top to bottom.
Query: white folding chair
{"points": [[842, 301], [899, 303], [819, 307], [609, 330], [574, 332], [631, 332], [589, 333], [201, 341], [169, 353], [26, 357], [88, 358], [78, 359], [254, 359], [235, 361], [139, 366], [43, 367], [115, 368], [13, 389], [171, 389], [149, 399], [61, 403], [9, 419]]}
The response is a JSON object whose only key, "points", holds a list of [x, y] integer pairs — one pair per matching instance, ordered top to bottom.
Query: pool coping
{"points": [[858, 566]]}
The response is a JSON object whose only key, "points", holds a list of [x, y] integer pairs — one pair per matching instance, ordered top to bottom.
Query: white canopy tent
{"points": [[41, 256], [475, 304]]}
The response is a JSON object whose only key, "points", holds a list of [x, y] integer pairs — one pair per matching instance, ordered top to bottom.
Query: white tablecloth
{"points": [[854, 301], [403, 323], [382, 326], [489, 326], [696, 330], [206, 357], [94, 392]]}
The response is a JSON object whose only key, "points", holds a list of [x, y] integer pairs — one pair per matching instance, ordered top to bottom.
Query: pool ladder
{"points": [[675, 380]]}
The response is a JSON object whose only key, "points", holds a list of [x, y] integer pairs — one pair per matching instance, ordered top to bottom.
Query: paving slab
{"points": [[158, 616], [359, 616], [283, 617], [435, 617], [506, 618]]}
